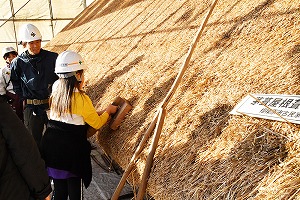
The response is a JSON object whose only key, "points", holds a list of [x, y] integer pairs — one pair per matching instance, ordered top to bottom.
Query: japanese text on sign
{"points": [[270, 106]]}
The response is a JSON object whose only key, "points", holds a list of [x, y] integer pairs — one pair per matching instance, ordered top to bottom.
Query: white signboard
{"points": [[270, 106]]}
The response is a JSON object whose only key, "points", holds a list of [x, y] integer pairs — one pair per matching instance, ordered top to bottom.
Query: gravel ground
{"points": [[104, 182]]}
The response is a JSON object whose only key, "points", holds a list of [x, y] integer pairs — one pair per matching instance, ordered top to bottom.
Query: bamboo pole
{"points": [[188, 57], [167, 99], [164, 103], [134, 158], [148, 166]]}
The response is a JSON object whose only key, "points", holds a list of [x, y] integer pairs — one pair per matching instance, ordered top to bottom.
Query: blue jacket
{"points": [[32, 76]]}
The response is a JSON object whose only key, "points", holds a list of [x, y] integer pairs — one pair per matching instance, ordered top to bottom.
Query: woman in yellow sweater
{"points": [[73, 118]]}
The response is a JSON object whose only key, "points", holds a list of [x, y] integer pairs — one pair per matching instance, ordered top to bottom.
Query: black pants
{"points": [[35, 124], [67, 187]]}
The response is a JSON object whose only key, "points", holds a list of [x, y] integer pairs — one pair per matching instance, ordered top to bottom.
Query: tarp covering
{"points": [[50, 16]]}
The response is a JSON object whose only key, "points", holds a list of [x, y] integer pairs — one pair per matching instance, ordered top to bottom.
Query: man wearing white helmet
{"points": [[32, 76], [6, 87], [72, 119]]}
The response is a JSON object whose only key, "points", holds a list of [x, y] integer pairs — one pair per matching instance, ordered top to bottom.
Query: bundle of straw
{"points": [[134, 49]]}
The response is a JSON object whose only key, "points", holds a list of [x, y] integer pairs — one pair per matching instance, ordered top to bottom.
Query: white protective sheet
{"points": [[50, 16]]}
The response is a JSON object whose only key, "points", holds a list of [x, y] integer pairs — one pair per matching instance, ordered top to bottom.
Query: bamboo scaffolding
{"points": [[162, 107], [134, 159], [148, 166]]}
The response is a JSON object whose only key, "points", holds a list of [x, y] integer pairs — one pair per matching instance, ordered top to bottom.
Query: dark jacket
{"points": [[32, 76], [72, 149], [22, 171]]}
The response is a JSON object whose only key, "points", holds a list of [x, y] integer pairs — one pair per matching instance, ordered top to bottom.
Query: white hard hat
{"points": [[29, 33], [6, 50], [68, 61]]}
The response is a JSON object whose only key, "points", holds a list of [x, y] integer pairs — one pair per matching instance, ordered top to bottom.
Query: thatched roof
{"points": [[134, 49]]}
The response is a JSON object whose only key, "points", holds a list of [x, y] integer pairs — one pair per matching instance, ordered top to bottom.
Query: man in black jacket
{"points": [[32, 76], [22, 171]]}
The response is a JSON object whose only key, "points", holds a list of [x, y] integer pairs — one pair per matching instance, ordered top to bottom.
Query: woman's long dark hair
{"points": [[61, 97]]}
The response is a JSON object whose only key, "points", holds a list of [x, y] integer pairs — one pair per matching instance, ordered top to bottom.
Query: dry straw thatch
{"points": [[134, 49]]}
